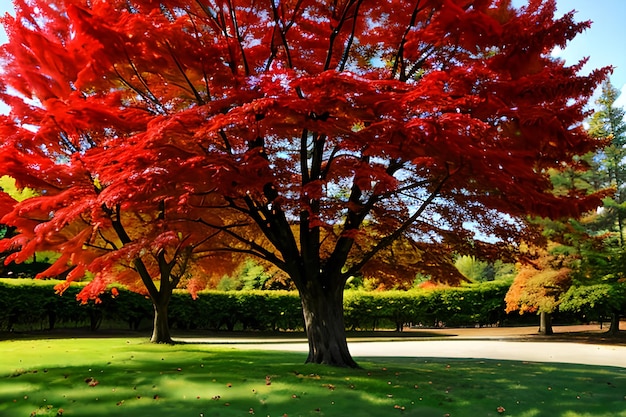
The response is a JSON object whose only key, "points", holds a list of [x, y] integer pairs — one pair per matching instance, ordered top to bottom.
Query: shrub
{"points": [[32, 305]]}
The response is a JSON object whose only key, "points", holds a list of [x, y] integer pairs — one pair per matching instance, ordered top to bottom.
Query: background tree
{"points": [[608, 122], [324, 132], [9, 196], [6, 205], [136, 228], [599, 237], [146, 243], [592, 244], [249, 276], [543, 277], [596, 301]]}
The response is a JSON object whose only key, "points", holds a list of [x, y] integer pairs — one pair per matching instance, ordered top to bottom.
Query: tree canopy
{"points": [[324, 137]]}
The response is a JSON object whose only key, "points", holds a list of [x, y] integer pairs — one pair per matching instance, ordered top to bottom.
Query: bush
{"points": [[594, 302], [32, 305], [471, 305], [254, 310]]}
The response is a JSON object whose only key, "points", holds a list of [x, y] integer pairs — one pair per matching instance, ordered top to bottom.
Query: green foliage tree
{"points": [[608, 123], [600, 236], [474, 269], [477, 270], [249, 276]]}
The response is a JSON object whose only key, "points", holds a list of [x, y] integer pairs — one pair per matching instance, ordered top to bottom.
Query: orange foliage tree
{"points": [[311, 134], [543, 277]]}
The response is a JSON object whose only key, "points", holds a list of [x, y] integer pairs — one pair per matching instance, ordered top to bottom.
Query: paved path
{"points": [[497, 343], [564, 352]]}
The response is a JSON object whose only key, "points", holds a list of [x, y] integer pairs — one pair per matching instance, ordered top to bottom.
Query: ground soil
{"points": [[588, 333]]}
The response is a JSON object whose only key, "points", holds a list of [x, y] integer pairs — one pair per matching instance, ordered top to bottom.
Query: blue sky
{"points": [[604, 43]]}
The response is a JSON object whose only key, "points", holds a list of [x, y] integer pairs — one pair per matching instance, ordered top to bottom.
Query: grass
{"points": [[130, 377]]}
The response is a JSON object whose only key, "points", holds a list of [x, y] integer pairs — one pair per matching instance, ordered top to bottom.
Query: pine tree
{"points": [[608, 122]]}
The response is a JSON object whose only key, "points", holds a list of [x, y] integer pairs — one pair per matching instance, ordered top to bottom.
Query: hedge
{"points": [[32, 305], [471, 305]]}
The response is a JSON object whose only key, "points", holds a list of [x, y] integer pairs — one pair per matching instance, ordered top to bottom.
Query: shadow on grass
{"points": [[234, 336], [127, 377]]}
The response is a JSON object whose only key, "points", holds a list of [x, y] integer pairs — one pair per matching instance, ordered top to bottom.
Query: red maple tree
{"points": [[324, 137], [120, 227]]}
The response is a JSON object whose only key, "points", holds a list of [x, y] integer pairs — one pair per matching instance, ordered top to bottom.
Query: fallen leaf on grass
{"points": [[91, 381]]}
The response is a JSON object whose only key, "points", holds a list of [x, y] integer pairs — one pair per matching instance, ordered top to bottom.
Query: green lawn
{"points": [[130, 377]]}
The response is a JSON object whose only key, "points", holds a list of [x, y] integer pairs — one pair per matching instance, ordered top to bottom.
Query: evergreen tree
{"points": [[608, 123], [596, 242]]}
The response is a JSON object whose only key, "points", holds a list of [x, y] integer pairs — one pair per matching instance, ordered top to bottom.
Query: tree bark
{"points": [[322, 308], [545, 324], [161, 328], [614, 328]]}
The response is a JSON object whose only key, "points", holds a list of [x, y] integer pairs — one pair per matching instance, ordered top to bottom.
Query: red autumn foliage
{"points": [[312, 134]]}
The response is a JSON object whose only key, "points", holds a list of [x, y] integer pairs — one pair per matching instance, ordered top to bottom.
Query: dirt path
{"points": [[570, 344]]}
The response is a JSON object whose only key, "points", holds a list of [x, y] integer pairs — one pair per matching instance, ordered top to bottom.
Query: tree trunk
{"points": [[322, 308], [545, 324], [614, 328], [161, 329]]}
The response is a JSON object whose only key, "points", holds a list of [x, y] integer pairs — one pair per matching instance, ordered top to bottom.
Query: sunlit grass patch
{"points": [[129, 377]]}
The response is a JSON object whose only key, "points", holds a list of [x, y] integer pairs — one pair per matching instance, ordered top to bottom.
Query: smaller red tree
{"points": [[152, 242]]}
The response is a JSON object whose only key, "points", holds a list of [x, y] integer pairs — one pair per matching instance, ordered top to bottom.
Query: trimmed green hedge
{"points": [[27, 304], [32, 305], [472, 305]]}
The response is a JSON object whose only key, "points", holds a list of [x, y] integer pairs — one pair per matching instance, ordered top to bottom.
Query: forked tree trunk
{"points": [[545, 324], [324, 325], [161, 328]]}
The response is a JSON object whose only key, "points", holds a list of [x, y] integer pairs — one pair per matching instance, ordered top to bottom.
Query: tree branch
{"points": [[233, 17], [336, 31], [283, 34], [346, 52], [398, 63], [195, 92], [147, 97], [387, 240], [259, 250], [138, 264]]}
